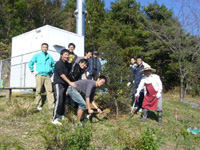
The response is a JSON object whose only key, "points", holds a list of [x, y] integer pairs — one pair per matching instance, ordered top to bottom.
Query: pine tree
{"points": [[95, 17], [67, 19], [115, 71]]}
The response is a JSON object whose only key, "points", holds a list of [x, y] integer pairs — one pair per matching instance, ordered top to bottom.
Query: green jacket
{"points": [[44, 64]]}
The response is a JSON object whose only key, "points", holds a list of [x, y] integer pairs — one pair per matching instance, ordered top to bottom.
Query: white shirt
{"points": [[135, 65], [154, 79]]}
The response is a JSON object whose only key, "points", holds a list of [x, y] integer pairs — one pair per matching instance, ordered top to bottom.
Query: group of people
{"points": [[73, 75], [79, 76], [147, 89]]}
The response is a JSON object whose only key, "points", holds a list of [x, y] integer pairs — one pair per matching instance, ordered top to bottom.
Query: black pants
{"points": [[93, 76], [60, 98]]}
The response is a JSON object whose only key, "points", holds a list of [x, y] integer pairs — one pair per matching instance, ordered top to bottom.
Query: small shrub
{"points": [[106, 101], [66, 137], [79, 139], [148, 140]]}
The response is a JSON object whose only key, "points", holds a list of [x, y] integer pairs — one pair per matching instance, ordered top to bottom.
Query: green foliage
{"points": [[19, 16], [66, 17], [95, 18], [4, 49], [114, 68], [115, 71], [106, 101], [66, 137], [148, 140], [11, 145]]}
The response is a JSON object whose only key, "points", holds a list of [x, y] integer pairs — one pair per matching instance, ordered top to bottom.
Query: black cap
{"points": [[95, 53]]}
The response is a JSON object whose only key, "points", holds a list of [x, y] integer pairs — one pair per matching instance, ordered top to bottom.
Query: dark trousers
{"points": [[93, 76], [60, 98], [139, 101]]}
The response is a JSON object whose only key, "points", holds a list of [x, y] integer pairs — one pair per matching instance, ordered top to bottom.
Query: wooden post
{"points": [[9, 94]]}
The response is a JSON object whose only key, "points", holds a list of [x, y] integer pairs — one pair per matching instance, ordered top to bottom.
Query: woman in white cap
{"points": [[153, 93]]}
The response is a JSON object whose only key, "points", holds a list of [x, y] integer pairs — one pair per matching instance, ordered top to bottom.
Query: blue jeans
{"points": [[76, 96]]}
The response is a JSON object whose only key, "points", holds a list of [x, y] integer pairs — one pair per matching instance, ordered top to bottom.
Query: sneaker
{"points": [[39, 107], [56, 122]]}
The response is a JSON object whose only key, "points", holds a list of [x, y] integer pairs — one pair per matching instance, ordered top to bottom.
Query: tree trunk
{"points": [[182, 95], [117, 109]]}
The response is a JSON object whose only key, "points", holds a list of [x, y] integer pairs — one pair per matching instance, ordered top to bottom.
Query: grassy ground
{"points": [[21, 126]]}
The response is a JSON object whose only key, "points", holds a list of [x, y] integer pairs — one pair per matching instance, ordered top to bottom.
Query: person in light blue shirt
{"points": [[103, 61], [44, 70]]}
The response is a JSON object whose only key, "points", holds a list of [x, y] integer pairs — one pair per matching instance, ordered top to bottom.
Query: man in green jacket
{"points": [[44, 70]]}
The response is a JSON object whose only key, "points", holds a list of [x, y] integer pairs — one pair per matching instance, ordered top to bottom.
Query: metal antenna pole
{"points": [[80, 14]]}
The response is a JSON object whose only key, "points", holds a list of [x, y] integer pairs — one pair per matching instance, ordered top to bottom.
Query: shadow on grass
{"points": [[43, 99], [151, 115], [94, 116]]}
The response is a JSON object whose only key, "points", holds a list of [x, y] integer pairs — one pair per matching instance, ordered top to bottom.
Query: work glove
{"points": [[34, 73], [133, 81], [128, 84], [136, 95], [158, 95], [99, 111]]}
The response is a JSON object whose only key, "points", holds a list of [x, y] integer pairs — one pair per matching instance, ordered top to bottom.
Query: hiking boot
{"points": [[39, 107], [159, 113], [144, 116], [56, 122]]}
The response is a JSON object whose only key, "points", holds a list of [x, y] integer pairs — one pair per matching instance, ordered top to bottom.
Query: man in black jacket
{"points": [[94, 67], [78, 70], [61, 83]]}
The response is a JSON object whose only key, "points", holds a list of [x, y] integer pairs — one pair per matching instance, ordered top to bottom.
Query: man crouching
{"points": [[88, 88]]}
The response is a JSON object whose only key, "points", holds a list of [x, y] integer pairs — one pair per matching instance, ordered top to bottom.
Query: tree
{"points": [[19, 16], [95, 18], [67, 19], [121, 25], [183, 48], [155, 51], [115, 71]]}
